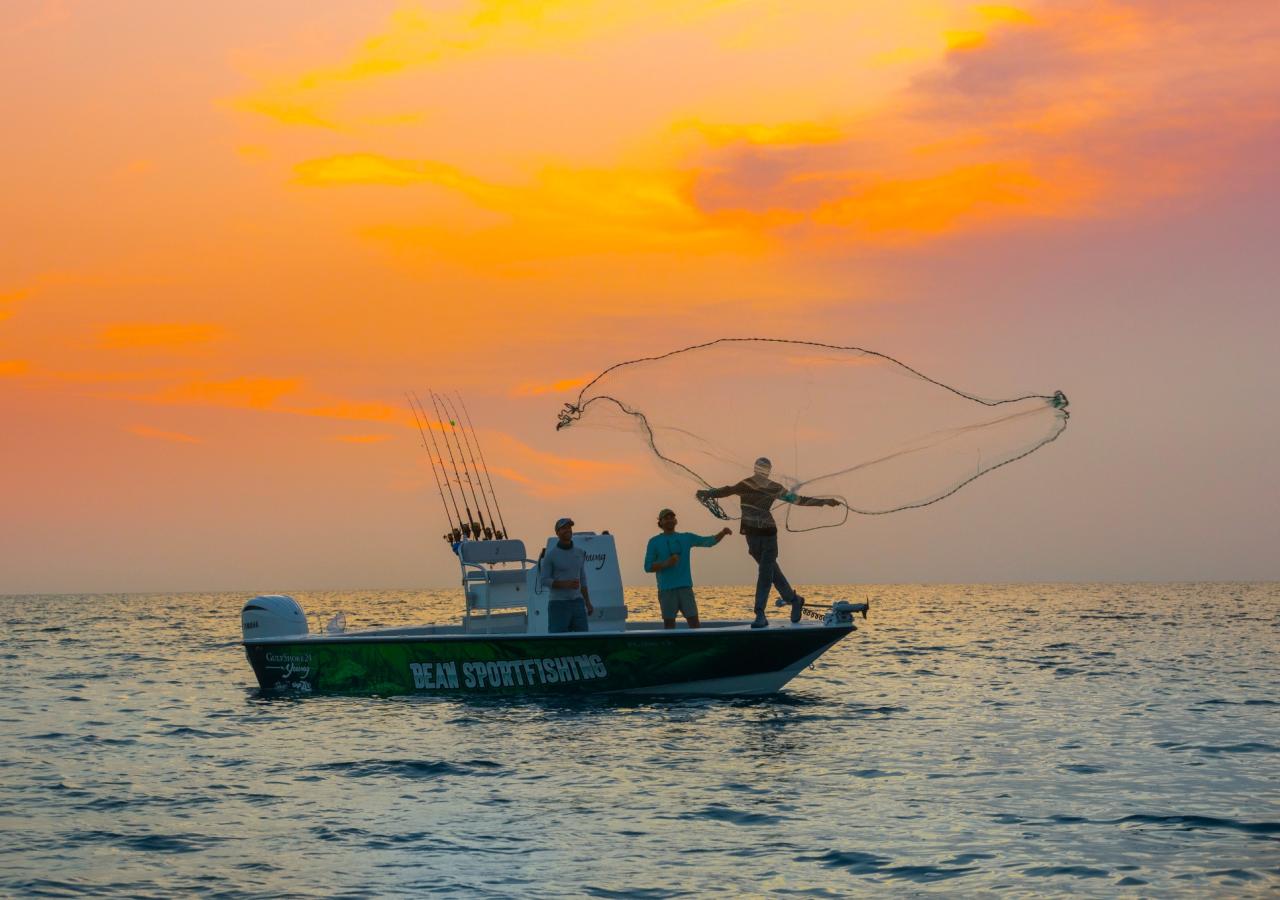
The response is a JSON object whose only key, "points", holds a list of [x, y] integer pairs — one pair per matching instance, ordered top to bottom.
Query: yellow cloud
{"points": [[990, 18], [415, 38], [283, 111], [762, 133], [370, 168], [580, 198], [564, 211], [156, 334], [177, 437]]}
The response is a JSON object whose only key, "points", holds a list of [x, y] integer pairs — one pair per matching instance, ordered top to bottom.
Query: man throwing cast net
{"points": [[847, 431], [758, 494]]}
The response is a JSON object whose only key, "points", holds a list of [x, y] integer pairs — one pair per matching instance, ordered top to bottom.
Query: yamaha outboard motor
{"points": [[272, 616]]}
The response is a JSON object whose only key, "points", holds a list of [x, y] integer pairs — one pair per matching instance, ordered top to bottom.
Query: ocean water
{"points": [[1103, 740]]}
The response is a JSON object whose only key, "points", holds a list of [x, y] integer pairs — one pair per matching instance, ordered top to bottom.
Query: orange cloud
{"points": [[1026, 117], [943, 202], [173, 334], [14, 367], [534, 389], [245, 392], [280, 395], [362, 412], [177, 437], [361, 438], [548, 475]]}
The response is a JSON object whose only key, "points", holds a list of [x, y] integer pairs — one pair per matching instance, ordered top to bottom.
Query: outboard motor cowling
{"points": [[272, 616]]}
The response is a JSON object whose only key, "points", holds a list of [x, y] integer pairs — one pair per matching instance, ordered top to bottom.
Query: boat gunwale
{"points": [[837, 631]]}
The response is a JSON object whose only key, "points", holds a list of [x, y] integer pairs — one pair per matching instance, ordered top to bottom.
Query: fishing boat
{"points": [[503, 645]]}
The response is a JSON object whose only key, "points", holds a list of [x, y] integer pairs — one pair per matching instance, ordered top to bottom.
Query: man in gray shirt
{"points": [[562, 570]]}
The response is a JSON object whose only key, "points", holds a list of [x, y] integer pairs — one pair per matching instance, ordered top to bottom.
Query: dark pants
{"points": [[764, 550], [566, 615]]}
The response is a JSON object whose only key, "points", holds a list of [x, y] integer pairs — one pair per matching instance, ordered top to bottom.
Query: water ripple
{"points": [[974, 739]]}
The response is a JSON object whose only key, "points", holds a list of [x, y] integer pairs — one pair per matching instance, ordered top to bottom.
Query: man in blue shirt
{"points": [[667, 556]]}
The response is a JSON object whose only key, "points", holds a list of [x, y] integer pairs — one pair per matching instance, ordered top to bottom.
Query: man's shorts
{"points": [[674, 600], [566, 615]]}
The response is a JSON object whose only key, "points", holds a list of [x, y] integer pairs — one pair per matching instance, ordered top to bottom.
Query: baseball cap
{"points": [[560, 523]]}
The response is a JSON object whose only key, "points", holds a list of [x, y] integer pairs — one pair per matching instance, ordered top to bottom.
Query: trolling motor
{"points": [[839, 613]]}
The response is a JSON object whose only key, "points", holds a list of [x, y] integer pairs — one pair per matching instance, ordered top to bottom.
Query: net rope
{"points": [[598, 391]]}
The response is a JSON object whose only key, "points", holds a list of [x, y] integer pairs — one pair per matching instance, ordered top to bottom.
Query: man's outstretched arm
{"points": [[727, 491], [813, 501], [710, 540]]}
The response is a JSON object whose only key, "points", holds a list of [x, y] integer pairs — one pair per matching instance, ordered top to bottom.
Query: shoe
{"points": [[797, 604], [760, 622]]}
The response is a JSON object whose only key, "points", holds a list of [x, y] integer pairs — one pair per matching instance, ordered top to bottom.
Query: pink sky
{"points": [[236, 234]]}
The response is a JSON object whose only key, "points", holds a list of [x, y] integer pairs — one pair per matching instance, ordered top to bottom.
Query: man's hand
{"points": [[702, 495], [831, 501], [725, 532], [671, 560], [590, 609]]}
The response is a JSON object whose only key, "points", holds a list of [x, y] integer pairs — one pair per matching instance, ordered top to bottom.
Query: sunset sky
{"points": [[235, 234]]}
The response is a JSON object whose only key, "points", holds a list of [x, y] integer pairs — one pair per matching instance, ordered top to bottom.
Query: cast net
{"points": [[841, 423]]}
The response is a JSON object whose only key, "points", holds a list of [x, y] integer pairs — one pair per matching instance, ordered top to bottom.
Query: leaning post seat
{"points": [[491, 582]]}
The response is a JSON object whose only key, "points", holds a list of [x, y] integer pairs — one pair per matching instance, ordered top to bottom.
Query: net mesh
{"points": [[842, 423]]}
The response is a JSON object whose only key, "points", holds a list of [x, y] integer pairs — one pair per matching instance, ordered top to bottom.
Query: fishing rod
{"points": [[453, 411], [422, 431], [472, 473], [496, 505], [468, 528], [460, 531]]}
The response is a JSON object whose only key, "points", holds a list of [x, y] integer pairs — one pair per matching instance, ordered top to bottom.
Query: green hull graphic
{"points": [[553, 664]]}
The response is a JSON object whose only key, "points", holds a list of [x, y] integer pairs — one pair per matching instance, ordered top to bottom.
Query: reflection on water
{"points": [[1090, 739]]}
